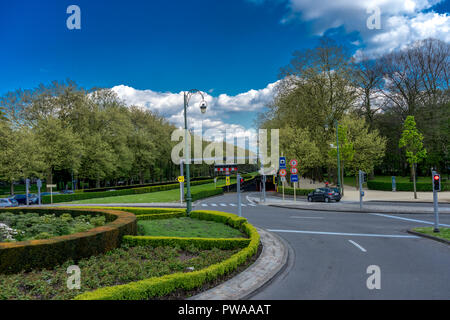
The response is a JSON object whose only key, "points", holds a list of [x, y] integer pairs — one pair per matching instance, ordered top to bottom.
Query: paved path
{"points": [[332, 251]]}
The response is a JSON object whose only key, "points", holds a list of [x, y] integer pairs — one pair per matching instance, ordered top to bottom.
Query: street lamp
{"points": [[203, 107], [336, 123]]}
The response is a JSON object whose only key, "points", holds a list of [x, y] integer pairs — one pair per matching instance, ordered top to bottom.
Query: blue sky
{"points": [[232, 49]]}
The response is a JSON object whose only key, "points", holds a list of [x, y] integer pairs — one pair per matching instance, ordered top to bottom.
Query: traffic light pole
{"points": [[361, 192], [436, 204]]}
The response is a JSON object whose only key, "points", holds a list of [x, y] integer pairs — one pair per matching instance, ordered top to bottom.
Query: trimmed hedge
{"points": [[139, 185], [404, 186], [298, 192], [202, 194], [92, 195], [226, 218], [183, 243], [27, 255], [161, 286]]}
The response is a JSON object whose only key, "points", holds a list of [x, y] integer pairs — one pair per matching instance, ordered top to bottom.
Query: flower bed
{"points": [[36, 254], [161, 286]]}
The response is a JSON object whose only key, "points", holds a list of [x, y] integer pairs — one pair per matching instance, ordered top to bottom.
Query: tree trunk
{"points": [[414, 180], [12, 187]]}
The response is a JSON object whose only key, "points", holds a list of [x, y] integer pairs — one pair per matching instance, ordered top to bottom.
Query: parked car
{"points": [[67, 192], [325, 194], [21, 199], [33, 199], [8, 202]]}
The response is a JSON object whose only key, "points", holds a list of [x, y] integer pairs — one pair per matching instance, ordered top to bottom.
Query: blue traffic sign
{"points": [[283, 163], [294, 178]]}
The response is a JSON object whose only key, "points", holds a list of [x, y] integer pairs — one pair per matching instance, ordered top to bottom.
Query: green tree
{"points": [[412, 141]]}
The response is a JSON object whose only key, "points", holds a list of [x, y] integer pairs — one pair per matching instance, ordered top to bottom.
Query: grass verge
{"points": [[187, 227], [443, 234]]}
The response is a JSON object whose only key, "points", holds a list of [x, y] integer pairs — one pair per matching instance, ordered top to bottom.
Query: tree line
{"points": [[367, 101], [60, 130]]}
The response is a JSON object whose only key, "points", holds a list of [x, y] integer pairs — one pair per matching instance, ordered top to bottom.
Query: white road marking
{"points": [[250, 201], [213, 204], [232, 204], [204, 205], [223, 205], [243, 205], [252, 205], [296, 217], [407, 219], [346, 234], [357, 245]]}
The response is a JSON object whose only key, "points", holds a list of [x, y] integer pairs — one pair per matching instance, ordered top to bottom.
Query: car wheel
{"points": [[310, 199], [327, 200]]}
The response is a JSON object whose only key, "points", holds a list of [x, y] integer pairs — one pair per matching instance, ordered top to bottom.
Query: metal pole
{"points": [[338, 157], [238, 177], [188, 178], [181, 183], [27, 186], [264, 188], [360, 190], [295, 196]]}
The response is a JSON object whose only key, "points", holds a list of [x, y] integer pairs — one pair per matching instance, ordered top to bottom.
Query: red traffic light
{"points": [[436, 177]]}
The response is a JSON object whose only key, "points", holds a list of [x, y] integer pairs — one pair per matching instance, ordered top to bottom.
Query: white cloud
{"points": [[402, 21], [223, 111]]}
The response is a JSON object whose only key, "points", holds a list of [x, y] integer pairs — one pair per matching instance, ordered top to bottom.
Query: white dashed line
{"points": [[213, 204], [223, 205], [406, 219], [347, 234], [357, 245]]}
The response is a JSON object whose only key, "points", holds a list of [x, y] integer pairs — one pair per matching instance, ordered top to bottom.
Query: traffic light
{"points": [[242, 181], [437, 182]]}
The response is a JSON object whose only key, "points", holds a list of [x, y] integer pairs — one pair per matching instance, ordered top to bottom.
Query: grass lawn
{"points": [[162, 196], [187, 227], [444, 234], [117, 267]]}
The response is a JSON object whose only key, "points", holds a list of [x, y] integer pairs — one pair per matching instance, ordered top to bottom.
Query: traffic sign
{"points": [[282, 162], [293, 163], [294, 170], [283, 172], [294, 178], [181, 179], [283, 179], [228, 181], [39, 183], [51, 186]]}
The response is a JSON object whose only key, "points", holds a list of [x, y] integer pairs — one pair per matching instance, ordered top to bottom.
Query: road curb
{"points": [[428, 236], [271, 262]]}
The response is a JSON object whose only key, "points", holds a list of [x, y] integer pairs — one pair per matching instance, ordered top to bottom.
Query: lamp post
{"points": [[187, 98], [336, 124], [338, 155]]}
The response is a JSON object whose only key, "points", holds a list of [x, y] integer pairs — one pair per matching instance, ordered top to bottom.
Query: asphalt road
{"points": [[331, 252]]}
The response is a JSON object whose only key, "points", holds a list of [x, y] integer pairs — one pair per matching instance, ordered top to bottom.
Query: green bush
{"points": [[404, 186], [202, 194], [93, 195], [223, 217], [183, 243], [161, 286]]}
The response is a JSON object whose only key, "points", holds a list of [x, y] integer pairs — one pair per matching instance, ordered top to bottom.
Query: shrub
{"points": [[298, 192], [202, 194], [223, 217], [183, 243], [27, 255]]}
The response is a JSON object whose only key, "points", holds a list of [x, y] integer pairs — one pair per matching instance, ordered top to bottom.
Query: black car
{"points": [[325, 194], [21, 198]]}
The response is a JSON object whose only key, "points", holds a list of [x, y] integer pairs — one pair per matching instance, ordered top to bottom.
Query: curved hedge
{"points": [[27, 255], [161, 286]]}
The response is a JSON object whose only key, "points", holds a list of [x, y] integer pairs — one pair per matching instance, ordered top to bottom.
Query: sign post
{"points": [[283, 174], [294, 176], [238, 177], [181, 181], [394, 184], [39, 186], [51, 186], [27, 187], [361, 192]]}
